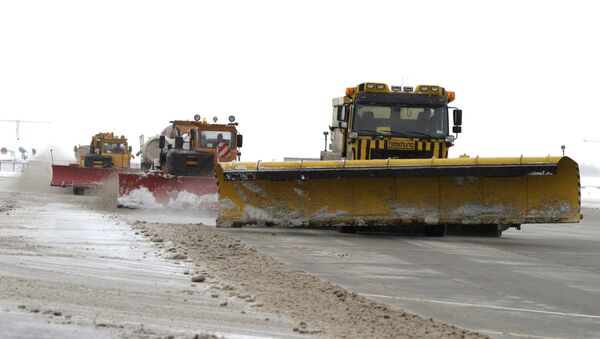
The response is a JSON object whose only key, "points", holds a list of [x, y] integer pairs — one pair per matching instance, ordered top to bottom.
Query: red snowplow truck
{"points": [[106, 155], [180, 166]]}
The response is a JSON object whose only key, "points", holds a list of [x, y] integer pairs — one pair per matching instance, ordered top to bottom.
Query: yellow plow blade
{"points": [[504, 191]]}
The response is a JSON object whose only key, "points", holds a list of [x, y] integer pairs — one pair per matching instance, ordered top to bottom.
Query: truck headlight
{"points": [[353, 135], [450, 138]]}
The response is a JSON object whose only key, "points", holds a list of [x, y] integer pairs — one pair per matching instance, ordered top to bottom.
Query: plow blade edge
{"points": [[77, 176], [158, 190], [507, 191]]}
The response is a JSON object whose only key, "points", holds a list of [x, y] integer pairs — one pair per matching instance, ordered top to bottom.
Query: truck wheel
{"points": [[78, 190], [347, 229], [435, 230], [477, 230], [496, 232]]}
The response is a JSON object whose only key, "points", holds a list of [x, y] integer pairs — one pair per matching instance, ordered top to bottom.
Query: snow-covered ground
{"points": [[590, 192]]}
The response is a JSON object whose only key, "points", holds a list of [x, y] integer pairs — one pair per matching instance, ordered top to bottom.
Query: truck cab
{"points": [[374, 121], [197, 146], [106, 151]]}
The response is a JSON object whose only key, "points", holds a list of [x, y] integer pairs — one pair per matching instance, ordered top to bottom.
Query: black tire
{"points": [[78, 190], [347, 229], [435, 230], [479, 230], [491, 231], [496, 232]]}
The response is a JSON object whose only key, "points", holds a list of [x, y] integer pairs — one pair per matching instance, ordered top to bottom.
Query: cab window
{"points": [[208, 139], [110, 147]]}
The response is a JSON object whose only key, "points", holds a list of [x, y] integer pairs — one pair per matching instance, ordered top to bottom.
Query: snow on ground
{"points": [[590, 192], [143, 198]]}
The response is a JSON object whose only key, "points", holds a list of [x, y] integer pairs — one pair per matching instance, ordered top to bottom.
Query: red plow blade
{"points": [[77, 176], [158, 190]]}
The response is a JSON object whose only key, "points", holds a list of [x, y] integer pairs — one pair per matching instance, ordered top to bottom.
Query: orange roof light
{"points": [[350, 91], [451, 96]]}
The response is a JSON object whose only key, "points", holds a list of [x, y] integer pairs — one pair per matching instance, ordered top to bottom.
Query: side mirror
{"points": [[341, 113], [457, 117], [456, 129], [194, 137], [240, 140], [161, 142], [178, 142], [75, 149], [130, 149]]}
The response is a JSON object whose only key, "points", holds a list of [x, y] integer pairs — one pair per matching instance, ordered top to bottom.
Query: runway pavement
{"points": [[70, 271], [541, 282]]}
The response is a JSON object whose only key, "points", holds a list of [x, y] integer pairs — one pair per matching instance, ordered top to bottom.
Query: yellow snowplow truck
{"points": [[106, 151], [106, 155], [387, 165]]}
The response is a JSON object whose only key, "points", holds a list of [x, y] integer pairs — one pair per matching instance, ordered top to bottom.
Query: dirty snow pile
{"points": [[143, 197], [236, 271]]}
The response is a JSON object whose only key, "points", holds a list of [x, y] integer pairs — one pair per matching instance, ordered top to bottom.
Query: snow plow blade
{"points": [[78, 176], [155, 190], [503, 191]]}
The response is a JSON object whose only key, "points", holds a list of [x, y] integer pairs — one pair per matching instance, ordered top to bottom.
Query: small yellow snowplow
{"points": [[107, 155], [388, 166]]}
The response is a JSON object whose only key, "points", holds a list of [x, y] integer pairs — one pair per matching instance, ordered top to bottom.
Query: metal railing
{"points": [[12, 166]]}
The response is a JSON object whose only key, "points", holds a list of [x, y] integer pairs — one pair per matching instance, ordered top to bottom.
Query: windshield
{"points": [[407, 121], [210, 139], [110, 147]]}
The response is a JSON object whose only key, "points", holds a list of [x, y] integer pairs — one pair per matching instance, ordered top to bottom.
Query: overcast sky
{"points": [[525, 73]]}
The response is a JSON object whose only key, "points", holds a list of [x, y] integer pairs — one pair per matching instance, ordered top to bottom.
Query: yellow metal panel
{"points": [[363, 150], [366, 163], [391, 163], [279, 164], [323, 164], [239, 165], [506, 196], [460, 197], [555, 198], [372, 199], [403, 200], [416, 200], [483, 200], [321, 208]]}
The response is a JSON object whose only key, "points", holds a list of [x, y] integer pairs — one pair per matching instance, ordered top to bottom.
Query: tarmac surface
{"points": [[75, 266], [68, 271], [540, 282]]}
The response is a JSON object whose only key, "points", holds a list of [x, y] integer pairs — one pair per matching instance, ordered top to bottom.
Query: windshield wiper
{"points": [[369, 131], [395, 133], [420, 133], [406, 134]]}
